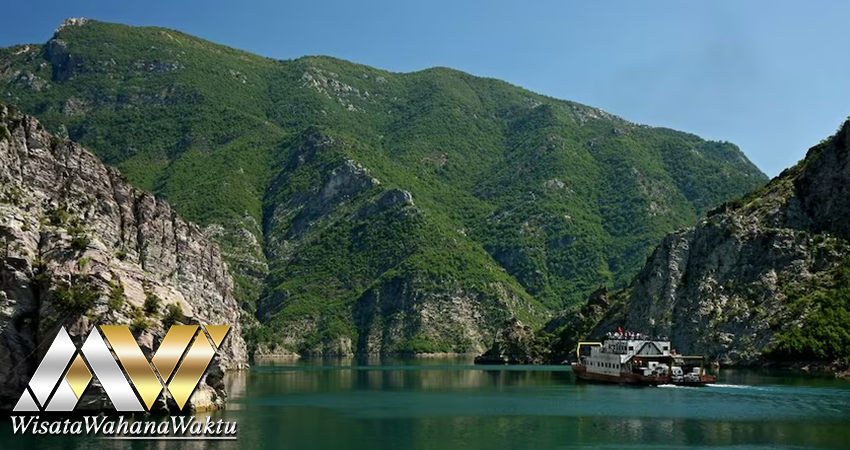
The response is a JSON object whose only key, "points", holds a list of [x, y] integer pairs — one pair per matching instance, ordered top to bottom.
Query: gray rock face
{"points": [[64, 63], [342, 183], [822, 188], [392, 198], [81, 247], [722, 288], [400, 309], [513, 344]]}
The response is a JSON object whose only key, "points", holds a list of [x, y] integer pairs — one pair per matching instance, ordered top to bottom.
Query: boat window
{"points": [[631, 348]]}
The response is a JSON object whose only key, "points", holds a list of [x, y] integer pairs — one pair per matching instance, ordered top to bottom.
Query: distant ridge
{"points": [[366, 211]]}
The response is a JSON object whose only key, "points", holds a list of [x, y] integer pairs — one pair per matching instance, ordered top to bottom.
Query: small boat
{"points": [[633, 358]]}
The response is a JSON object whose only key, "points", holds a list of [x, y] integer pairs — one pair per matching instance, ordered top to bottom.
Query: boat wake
{"points": [[675, 386], [722, 386], [734, 386], [743, 387]]}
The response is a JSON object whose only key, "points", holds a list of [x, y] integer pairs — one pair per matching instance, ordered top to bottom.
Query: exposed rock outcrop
{"points": [[493, 201], [365, 244], [81, 247], [725, 288], [390, 316], [514, 344]]}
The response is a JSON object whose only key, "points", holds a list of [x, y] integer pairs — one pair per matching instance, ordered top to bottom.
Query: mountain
{"points": [[368, 211], [79, 247], [762, 279]]}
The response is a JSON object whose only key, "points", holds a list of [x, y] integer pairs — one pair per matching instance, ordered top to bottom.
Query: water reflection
{"points": [[427, 374], [448, 403]]}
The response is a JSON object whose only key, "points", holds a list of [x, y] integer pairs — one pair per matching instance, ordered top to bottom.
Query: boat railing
{"points": [[585, 344], [693, 357]]}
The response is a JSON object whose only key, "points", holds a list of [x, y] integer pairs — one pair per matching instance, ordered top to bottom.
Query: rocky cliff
{"points": [[361, 210], [79, 247], [369, 250], [759, 279], [515, 343]]}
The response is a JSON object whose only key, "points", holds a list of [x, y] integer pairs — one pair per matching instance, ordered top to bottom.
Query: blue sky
{"points": [[770, 76]]}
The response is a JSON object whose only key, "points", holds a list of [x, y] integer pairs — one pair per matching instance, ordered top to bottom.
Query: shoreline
{"points": [[295, 356], [817, 368]]}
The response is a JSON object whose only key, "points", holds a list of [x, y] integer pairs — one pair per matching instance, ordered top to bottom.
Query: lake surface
{"points": [[448, 403]]}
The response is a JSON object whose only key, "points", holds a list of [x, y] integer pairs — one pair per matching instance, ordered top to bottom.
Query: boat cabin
{"points": [[634, 357]]}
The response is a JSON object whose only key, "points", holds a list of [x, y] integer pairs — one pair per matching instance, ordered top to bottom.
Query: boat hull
{"points": [[636, 379]]}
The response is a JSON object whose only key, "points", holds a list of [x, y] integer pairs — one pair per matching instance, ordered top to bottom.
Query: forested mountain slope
{"points": [[368, 211], [762, 279]]}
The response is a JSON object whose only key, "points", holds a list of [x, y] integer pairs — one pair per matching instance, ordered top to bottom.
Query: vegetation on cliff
{"points": [[514, 204], [80, 247], [761, 279], [824, 334]]}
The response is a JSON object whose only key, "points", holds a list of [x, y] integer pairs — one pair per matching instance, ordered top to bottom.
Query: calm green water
{"points": [[448, 404]]}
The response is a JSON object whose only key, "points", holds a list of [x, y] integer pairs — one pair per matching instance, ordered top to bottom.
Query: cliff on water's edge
{"points": [[80, 246], [761, 280]]}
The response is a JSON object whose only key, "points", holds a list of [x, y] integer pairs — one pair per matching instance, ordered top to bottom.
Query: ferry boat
{"points": [[632, 358]]}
